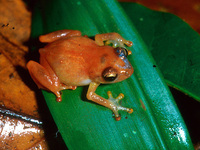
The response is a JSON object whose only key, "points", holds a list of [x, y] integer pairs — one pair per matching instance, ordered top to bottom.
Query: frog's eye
{"points": [[121, 52], [109, 74]]}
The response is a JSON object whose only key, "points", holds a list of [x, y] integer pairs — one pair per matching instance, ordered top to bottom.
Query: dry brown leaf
{"points": [[15, 21], [16, 86], [14, 92], [17, 134]]}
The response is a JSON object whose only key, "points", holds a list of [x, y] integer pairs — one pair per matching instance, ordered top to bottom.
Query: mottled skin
{"points": [[70, 60]]}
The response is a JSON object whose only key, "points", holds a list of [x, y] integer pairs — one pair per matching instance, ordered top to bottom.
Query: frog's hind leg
{"points": [[53, 36], [43, 79]]}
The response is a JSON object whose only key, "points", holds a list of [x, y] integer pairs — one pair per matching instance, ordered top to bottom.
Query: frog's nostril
{"points": [[129, 72]]}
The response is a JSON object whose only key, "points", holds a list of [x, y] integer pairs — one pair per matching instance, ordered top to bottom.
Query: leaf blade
{"points": [[178, 51], [82, 121]]}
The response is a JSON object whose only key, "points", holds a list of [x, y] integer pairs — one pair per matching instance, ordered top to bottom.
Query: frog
{"points": [[70, 59]]}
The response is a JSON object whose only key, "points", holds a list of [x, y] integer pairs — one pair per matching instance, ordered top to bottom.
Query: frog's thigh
{"points": [[53, 36], [40, 75]]}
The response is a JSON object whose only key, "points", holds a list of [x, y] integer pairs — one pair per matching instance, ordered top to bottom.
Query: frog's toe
{"points": [[118, 43], [58, 96], [58, 99], [115, 106], [130, 110], [118, 118]]}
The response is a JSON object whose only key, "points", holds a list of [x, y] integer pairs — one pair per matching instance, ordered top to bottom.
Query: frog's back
{"points": [[70, 44], [69, 58]]}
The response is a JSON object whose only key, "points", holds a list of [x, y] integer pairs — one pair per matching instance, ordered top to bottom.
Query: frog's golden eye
{"points": [[121, 52], [109, 74]]}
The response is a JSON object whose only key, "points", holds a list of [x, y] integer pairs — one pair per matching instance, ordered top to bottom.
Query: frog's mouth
{"points": [[125, 73]]}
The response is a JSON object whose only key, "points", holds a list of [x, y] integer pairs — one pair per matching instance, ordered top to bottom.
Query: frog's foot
{"points": [[113, 39], [119, 43], [64, 87], [58, 96], [115, 106]]}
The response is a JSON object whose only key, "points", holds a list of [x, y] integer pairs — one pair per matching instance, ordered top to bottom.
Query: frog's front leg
{"points": [[53, 36], [112, 38], [111, 103]]}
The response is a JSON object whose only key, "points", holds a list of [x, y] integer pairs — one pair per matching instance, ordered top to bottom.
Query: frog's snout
{"points": [[129, 72], [126, 73]]}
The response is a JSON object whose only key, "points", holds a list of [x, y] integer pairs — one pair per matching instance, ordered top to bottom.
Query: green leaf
{"points": [[174, 45], [155, 123]]}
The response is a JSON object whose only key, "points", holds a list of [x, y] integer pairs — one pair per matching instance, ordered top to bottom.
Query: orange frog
{"points": [[70, 60]]}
